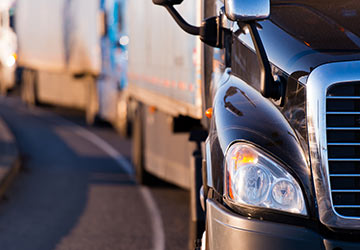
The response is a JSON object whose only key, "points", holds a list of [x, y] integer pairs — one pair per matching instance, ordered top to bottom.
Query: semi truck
{"points": [[8, 46], [71, 54], [281, 159]]}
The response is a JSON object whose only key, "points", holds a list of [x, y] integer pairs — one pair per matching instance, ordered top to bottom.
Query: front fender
{"points": [[241, 113]]}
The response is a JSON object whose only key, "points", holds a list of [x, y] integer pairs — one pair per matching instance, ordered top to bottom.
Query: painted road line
{"points": [[107, 148], [152, 208], [154, 212], [159, 235]]}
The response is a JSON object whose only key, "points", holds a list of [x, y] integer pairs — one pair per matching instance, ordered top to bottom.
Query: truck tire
{"points": [[28, 87], [92, 104], [138, 159]]}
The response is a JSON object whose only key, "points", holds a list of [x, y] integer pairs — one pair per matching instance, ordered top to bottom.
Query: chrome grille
{"points": [[343, 143]]}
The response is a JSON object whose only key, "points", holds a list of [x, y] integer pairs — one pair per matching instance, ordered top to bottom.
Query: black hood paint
{"points": [[323, 25], [301, 35]]}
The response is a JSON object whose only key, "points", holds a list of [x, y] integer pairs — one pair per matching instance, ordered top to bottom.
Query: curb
{"points": [[10, 160]]}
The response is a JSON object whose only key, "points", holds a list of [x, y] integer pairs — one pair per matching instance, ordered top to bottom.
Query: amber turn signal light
{"points": [[152, 109], [209, 113]]}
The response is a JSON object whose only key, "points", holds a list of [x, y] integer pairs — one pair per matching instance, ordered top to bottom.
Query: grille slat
{"points": [[344, 97], [342, 113], [343, 128], [343, 141], [344, 159], [344, 175], [345, 191], [347, 206]]}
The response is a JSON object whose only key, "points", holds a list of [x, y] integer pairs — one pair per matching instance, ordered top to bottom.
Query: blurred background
{"points": [[100, 97]]}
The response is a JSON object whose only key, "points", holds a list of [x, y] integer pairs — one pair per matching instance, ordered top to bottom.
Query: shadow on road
{"points": [[71, 196]]}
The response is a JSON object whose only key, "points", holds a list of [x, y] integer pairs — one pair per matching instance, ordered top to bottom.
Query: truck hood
{"points": [[330, 25], [301, 35]]}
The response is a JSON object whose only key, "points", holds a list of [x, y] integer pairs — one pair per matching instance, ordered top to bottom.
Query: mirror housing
{"points": [[167, 2], [247, 10]]}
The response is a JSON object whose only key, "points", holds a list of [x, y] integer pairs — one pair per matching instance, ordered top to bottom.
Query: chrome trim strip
{"points": [[320, 79], [209, 176]]}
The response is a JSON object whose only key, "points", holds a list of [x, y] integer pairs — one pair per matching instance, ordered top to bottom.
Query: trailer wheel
{"points": [[28, 87], [3, 88], [92, 105], [122, 123], [142, 176]]}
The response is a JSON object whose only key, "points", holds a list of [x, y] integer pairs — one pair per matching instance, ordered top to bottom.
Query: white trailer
{"points": [[8, 46], [61, 46], [164, 90]]}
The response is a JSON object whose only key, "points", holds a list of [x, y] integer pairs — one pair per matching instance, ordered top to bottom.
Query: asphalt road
{"points": [[76, 190]]}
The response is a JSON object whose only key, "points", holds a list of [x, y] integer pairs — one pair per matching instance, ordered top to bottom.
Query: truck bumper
{"points": [[227, 230]]}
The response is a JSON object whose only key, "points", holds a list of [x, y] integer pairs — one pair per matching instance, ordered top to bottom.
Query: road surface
{"points": [[77, 191]]}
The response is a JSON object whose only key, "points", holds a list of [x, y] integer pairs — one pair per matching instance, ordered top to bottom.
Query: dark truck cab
{"points": [[282, 159]]}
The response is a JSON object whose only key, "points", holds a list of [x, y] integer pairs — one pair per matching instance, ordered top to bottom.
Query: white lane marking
{"points": [[107, 148], [154, 212], [159, 235]]}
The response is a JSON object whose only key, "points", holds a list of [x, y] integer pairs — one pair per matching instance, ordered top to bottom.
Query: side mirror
{"points": [[167, 2], [247, 10]]}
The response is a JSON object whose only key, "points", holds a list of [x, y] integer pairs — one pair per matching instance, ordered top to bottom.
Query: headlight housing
{"points": [[253, 178]]}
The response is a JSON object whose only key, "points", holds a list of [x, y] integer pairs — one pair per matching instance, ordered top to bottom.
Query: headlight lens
{"points": [[11, 60], [253, 178]]}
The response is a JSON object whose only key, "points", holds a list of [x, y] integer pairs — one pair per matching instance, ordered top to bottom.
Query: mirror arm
{"points": [[193, 30], [211, 32], [266, 75], [268, 87]]}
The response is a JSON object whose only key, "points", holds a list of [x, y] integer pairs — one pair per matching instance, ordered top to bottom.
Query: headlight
{"points": [[11, 60], [253, 178]]}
